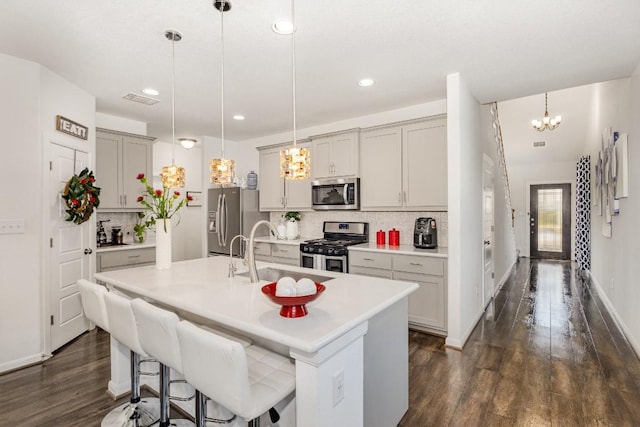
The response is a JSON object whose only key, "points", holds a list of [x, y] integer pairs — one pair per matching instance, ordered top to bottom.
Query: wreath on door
{"points": [[81, 196]]}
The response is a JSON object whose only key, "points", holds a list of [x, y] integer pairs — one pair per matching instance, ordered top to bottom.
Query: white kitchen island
{"points": [[355, 333]]}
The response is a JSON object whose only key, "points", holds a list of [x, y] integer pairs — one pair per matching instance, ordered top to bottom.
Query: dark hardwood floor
{"points": [[545, 353]]}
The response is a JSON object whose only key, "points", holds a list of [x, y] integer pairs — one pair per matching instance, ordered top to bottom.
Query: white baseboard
{"points": [[504, 278], [614, 314], [22, 362], [116, 390]]}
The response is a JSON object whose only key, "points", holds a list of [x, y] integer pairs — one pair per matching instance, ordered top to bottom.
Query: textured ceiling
{"points": [[503, 48]]}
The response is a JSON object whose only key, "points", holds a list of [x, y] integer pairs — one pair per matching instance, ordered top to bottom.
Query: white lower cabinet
{"points": [[279, 253], [117, 260], [428, 304]]}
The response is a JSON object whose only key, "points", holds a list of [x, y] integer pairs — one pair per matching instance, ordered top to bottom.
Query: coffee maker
{"points": [[425, 233]]}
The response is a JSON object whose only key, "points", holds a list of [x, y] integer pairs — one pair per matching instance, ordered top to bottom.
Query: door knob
{"points": [[487, 242], [88, 251]]}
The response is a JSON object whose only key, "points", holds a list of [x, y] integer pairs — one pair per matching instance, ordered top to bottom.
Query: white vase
{"points": [[292, 230], [163, 244]]}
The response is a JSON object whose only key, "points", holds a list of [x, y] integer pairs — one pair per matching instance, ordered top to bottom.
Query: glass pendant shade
{"points": [[295, 163], [222, 171], [172, 176]]}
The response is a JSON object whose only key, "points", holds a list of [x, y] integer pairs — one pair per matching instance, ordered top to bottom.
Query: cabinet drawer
{"points": [[261, 248], [286, 251], [127, 258], [370, 260], [286, 261], [418, 264], [373, 272]]}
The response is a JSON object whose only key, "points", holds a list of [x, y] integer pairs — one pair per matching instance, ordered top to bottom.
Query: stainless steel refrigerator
{"points": [[232, 211]]}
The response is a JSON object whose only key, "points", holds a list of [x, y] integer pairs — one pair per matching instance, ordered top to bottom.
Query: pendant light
{"points": [[546, 122], [295, 162], [222, 171], [173, 176]]}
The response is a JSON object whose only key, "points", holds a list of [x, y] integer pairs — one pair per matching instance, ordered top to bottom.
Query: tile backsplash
{"points": [[126, 220], [311, 223]]}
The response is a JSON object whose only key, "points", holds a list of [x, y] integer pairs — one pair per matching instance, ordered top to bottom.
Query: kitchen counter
{"points": [[271, 239], [128, 246], [402, 249], [327, 342]]}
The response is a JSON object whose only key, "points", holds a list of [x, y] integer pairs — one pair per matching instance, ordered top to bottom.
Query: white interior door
{"points": [[487, 230], [68, 261]]}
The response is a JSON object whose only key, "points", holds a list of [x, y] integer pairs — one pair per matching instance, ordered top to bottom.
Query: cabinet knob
{"points": [[88, 251]]}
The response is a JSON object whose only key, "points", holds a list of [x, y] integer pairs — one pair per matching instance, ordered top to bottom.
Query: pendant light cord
{"points": [[293, 66], [222, 77], [173, 100]]}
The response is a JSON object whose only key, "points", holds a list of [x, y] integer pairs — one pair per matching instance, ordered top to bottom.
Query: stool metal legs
{"points": [[137, 412], [201, 412]]}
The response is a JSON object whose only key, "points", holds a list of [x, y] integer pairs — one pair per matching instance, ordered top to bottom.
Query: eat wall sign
{"points": [[72, 128]]}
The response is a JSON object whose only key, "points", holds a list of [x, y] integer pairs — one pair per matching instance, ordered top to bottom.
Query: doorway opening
{"points": [[550, 221]]}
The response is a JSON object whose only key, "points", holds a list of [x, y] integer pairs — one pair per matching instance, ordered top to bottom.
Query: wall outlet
{"points": [[12, 226], [338, 387]]}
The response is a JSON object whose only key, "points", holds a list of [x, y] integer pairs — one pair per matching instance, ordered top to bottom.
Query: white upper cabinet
{"points": [[335, 155], [120, 157], [404, 167], [277, 194]]}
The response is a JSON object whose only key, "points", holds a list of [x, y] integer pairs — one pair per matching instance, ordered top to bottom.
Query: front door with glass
{"points": [[550, 221]]}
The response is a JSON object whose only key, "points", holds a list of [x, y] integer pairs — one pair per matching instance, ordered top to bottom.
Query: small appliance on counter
{"points": [[425, 233], [116, 235], [101, 237]]}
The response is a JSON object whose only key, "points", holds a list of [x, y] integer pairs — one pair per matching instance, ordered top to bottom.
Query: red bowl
{"points": [[292, 307]]}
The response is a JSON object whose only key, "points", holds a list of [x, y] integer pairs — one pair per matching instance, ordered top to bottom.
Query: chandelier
{"points": [[546, 122], [295, 162], [222, 171], [173, 176]]}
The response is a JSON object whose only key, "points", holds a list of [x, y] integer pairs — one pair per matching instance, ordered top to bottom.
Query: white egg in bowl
{"points": [[305, 286], [286, 287]]}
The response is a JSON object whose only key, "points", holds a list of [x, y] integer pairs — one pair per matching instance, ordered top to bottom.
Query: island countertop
{"points": [[201, 287]]}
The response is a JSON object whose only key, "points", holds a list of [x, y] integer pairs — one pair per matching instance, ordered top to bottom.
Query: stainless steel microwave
{"points": [[338, 193]]}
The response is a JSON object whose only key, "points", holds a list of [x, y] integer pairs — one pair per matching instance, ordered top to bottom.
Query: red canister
{"points": [[380, 237], [394, 237]]}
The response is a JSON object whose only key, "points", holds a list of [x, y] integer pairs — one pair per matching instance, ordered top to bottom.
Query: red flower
{"points": [[140, 176], [91, 179], [83, 182], [158, 192], [176, 193], [140, 198], [190, 198], [92, 199], [75, 202]]}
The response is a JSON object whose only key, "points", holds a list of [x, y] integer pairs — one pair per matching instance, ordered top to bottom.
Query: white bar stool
{"points": [[92, 296], [159, 339], [248, 381], [138, 412]]}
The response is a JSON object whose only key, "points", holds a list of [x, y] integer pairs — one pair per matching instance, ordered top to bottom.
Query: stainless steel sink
{"points": [[273, 274]]}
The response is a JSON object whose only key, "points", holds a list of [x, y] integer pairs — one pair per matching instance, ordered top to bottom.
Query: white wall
{"points": [[31, 98], [407, 113], [107, 121], [464, 139], [521, 176], [188, 227], [504, 253], [614, 264]]}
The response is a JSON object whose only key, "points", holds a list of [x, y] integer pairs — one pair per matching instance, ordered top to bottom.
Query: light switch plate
{"points": [[11, 226]]}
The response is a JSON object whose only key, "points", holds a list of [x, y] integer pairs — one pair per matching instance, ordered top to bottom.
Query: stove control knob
{"points": [[329, 251]]}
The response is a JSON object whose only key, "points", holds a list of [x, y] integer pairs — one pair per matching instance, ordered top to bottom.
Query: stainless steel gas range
{"points": [[331, 253]]}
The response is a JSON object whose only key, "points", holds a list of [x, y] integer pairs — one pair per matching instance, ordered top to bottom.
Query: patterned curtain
{"points": [[583, 213]]}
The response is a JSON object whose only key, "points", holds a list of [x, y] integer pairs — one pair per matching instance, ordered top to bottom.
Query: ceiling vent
{"points": [[141, 99], [539, 143]]}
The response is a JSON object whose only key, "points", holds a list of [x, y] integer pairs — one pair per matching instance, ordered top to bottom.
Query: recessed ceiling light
{"points": [[282, 27], [366, 82], [150, 91], [238, 117], [187, 142]]}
